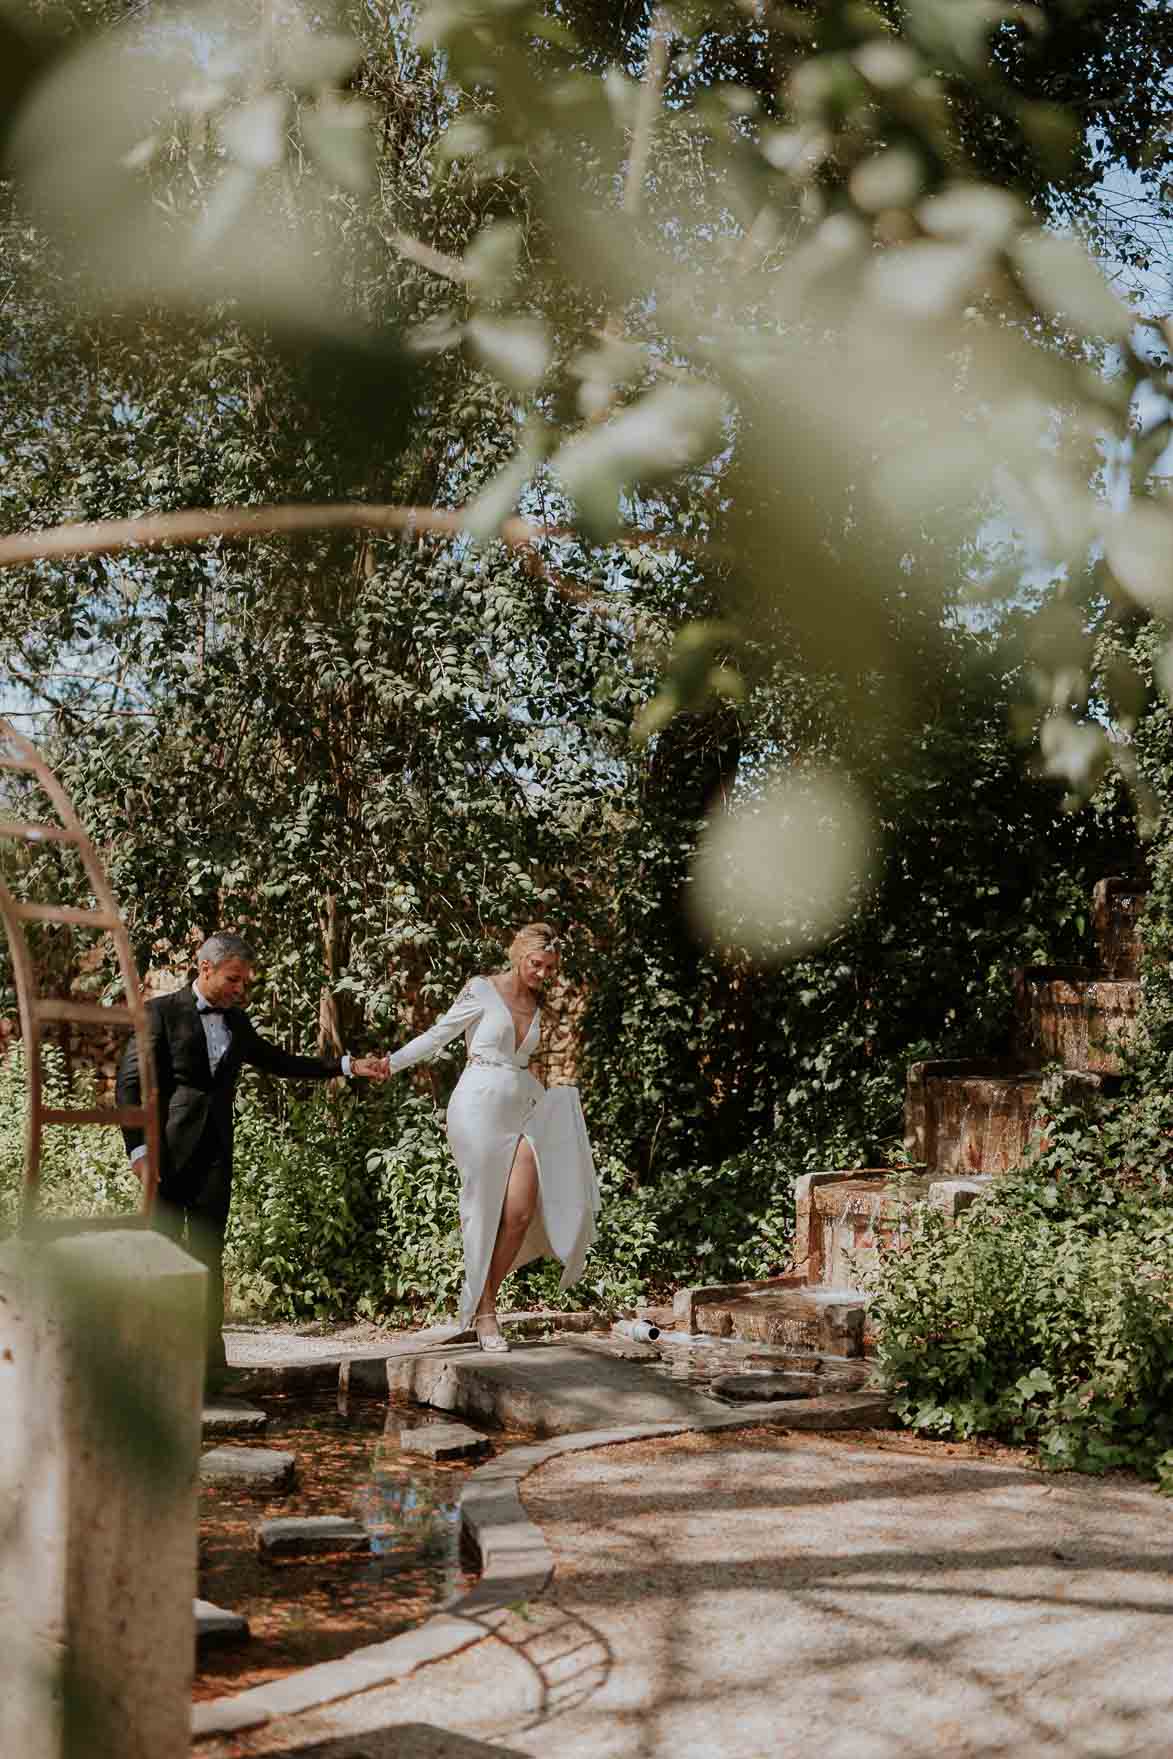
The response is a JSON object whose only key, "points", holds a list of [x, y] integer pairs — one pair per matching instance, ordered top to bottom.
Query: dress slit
{"points": [[528, 1248]]}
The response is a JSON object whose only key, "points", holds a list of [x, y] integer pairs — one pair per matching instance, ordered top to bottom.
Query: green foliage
{"points": [[691, 1054], [83, 1171], [304, 1235], [1046, 1314]]}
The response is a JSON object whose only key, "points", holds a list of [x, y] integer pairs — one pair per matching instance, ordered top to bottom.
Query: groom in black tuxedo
{"points": [[201, 1037]]}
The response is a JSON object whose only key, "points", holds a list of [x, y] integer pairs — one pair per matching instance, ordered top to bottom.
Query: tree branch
{"points": [[649, 105], [151, 531]]}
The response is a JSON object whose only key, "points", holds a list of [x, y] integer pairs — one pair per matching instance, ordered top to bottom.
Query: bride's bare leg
{"points": [[517, 1212]]}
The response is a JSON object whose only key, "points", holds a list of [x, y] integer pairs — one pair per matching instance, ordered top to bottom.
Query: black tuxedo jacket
{"points": [[195, 1105]]}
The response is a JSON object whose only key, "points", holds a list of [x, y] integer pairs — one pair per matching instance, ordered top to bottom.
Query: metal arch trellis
{"points": [[18, 753]]}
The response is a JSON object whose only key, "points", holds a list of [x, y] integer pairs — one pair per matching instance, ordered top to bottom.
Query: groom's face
{"points": [[226, 984]]}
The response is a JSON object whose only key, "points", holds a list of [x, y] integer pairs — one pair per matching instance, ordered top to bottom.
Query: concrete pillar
{"points": [[101, 1375]]}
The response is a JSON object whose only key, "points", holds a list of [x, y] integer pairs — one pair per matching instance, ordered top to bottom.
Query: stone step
{"points": [[1117, 906], [1067, 1014], [977, 1117], [844, 1219], [686, 1301], [830, 1321], [766, 1387], [549, 1388], [226, 1416], [443, 1441], [264, 1470], [311, 1535], [217, 1629]]}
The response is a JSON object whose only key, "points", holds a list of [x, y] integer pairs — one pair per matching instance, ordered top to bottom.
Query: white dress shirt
{"points": [[215, 1027]]}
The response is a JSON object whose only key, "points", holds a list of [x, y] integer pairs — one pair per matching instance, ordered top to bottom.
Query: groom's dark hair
{"points": [[225, 945]]}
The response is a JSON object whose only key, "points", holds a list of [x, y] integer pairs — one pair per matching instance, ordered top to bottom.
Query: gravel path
{"points": [[759, 1596]]}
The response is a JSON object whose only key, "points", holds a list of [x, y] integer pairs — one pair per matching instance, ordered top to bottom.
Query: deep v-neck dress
{"points": [[495, 1103]]}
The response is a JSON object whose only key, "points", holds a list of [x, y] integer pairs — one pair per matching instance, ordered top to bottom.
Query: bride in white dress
{"points": [[527, 1176]]}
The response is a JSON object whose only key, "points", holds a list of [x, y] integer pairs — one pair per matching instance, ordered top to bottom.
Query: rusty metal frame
{"points": [[18, 753]]}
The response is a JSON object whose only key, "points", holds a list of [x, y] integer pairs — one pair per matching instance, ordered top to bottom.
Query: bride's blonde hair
{"points": [[535, 937]]}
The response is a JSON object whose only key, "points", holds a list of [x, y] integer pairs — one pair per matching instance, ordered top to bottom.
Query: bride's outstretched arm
{"points": [[465, 1011]]}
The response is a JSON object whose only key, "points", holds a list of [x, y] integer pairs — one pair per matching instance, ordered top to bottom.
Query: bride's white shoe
{"points": [[492, 1342]]}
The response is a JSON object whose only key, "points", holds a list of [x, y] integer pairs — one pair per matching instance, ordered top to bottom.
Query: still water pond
{"points": [[305, 1610]]}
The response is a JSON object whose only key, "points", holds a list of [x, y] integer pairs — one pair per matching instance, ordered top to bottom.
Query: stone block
{"points": [[1117, 907], [1066, 1014], [977, 1117], [953, 1196], [851, 1219], [807, 1243], [687, 1302], [804, 1320], [841, 1326], [101, 1374], [363, 1374], [288, 1377], [760, 1387], [550, 1389], [862, 1410], [226, 1416], [443, 1441], [265, 1470], [309, 1535], [217, 1629]]}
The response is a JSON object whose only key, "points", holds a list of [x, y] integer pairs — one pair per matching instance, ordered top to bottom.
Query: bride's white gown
{"points": [[495, 1103]]}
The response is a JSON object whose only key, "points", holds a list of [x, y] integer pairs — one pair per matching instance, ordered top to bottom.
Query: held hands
{"points": [[373, 1068]]}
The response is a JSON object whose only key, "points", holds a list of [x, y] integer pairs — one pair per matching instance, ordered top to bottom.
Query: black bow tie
{"points": [[207, 1008]]}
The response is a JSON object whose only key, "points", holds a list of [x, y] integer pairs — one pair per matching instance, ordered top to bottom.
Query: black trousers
{"points": [[198, 1223]]}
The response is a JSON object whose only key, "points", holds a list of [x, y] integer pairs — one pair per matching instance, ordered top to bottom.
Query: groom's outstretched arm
{"points": [[263, 1054], [274, 1061]]}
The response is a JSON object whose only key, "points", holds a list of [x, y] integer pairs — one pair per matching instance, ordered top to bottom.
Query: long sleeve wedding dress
{"points": [[495, 1103]]}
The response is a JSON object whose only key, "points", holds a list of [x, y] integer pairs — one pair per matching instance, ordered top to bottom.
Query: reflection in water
{"points": [[411, 1511], [303, 1610]]}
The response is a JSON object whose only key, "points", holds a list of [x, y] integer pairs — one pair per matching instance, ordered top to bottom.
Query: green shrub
{"points": [[84, 1171], [305, 1237], [1046, 1314]]}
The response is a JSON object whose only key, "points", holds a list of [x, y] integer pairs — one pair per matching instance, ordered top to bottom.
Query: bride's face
{"points": [[536, 969]]}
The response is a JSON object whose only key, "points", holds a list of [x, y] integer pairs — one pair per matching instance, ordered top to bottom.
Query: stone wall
{"points": [[1117, 906], [1069, 1015], [90, 1050], [977, 1117]]}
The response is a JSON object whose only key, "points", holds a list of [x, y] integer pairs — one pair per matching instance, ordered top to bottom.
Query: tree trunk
{"points": [[337, 1014]]}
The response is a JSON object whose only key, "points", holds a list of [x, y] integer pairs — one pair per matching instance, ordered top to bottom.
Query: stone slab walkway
{"points": [[264, 1346], [552, 1389], [755, 1594]]}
